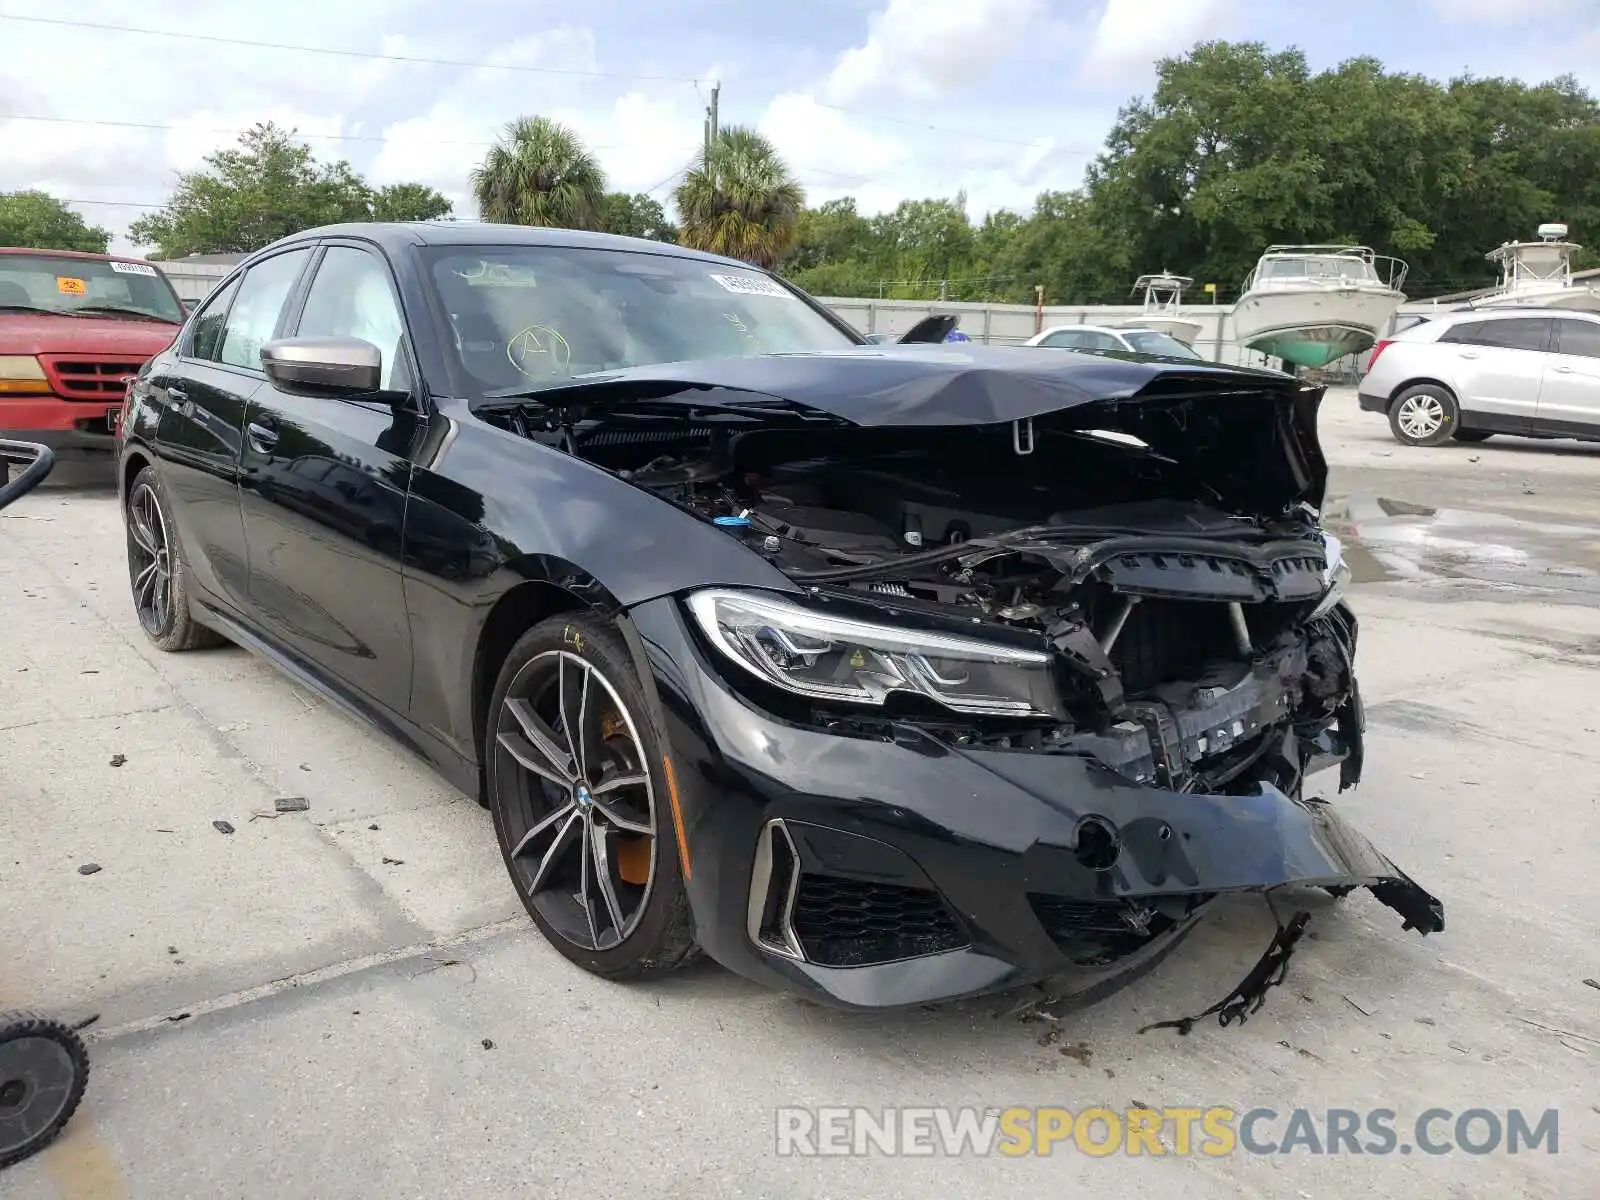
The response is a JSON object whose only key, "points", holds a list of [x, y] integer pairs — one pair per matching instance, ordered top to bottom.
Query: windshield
{"points": [[57, 284], [529, 315], [1150, 342]]}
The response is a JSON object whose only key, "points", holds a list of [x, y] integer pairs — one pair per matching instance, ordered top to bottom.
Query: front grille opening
{"points": [[91, 379], [1164, 640], [844, 922], [1098, 933]]}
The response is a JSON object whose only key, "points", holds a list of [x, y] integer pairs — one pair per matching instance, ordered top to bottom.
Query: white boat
{"points": [[1539, 274], [1310, 305], [1163, 307]]}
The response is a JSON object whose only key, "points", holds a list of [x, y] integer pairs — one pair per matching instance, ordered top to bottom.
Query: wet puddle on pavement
{"points": [[1487, 554]]}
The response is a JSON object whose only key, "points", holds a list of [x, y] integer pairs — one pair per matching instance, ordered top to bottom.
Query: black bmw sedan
{"points": [[883, 673]]}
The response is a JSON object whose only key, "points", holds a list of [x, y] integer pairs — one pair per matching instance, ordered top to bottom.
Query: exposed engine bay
{"points": [[1185, 630]]}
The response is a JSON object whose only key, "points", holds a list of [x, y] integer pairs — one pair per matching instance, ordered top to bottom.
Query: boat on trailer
{"points": [[1539, 275], [1311, 305], [1163, 306]]}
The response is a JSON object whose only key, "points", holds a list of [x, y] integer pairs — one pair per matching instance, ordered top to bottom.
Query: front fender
{"points": [[492, 511]]}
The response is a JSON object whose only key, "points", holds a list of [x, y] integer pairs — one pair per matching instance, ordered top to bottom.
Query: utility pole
{"points": [[716, 91]]}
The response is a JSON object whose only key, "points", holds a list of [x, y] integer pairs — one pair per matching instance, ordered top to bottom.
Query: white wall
{"points": [[994, 324]]}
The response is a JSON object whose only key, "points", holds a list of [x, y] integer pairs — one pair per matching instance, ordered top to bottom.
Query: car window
{"points": [[119, 289], [350, 296], [254, 315], [527, 316], [1467, 333], [1518, 333], [206, 336], [1578, 337], [1069, 339], [1102, 341], [1159, 343]]}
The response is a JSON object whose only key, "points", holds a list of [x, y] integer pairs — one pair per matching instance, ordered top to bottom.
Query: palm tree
{"points": [[539, 173], [740, 200]]}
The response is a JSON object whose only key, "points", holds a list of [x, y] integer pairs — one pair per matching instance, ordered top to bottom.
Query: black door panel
{"points": [[201, 407], [200, 438], [324, 493], [324, 499]]}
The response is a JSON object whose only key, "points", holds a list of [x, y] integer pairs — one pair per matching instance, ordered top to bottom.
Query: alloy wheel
{"points": [[1420, 416], [149, 560], [580, 809]]}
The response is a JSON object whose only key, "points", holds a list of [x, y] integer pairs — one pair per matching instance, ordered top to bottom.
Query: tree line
{"points": [[1237, 147]]}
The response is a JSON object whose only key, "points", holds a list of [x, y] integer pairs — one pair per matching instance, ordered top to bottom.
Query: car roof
{"points": [[396, 236], [84, 254], [1508, 312], [1090, 329]]}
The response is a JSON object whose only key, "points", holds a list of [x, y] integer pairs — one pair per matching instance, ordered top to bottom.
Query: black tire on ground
{"points": [[1424, 415], [1472, 435], [158, 574], [655, 934], [44, 1069]]}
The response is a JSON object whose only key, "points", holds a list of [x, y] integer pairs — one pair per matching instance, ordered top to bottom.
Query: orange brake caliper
{"points": [[633, 852]]}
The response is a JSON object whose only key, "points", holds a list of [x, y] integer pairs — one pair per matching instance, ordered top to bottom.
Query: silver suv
{"points": [[1469, 375]]}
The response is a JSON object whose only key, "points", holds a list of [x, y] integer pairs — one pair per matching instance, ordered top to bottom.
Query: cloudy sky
{"points": [[881, 99]]}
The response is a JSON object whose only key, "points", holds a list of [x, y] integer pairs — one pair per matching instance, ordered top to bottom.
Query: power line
{"points": [[367, 54], [452, 62], [966, 133], [331, 137], [118, 203]]}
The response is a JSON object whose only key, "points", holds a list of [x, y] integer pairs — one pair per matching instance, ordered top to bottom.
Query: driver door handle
{"points": [[1469, 354], [1562, 370], [262, 436]]}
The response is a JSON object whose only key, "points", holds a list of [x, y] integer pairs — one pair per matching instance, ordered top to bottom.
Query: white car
{"points": [[1103, 337], [1470, 374]]}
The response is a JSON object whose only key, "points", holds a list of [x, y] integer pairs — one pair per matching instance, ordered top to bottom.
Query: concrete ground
{"points": [[349, 1002]]}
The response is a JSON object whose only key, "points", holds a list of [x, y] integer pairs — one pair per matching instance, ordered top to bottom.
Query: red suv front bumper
{"points": [[63, 425]]}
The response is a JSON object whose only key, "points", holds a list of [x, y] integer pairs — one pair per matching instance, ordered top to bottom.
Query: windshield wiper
{"points": [[25, 308], [109, 309]]}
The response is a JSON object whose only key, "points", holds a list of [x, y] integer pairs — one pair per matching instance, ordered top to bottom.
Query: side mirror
{"points": [[323, 366]]}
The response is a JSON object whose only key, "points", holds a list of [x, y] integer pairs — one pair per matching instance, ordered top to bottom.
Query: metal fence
{"points": [[992, 324]]}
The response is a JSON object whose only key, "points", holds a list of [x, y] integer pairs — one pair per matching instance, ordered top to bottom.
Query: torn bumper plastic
{"points": [[876, 872]]}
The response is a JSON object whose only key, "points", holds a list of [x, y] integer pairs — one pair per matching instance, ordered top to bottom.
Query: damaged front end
{"points": [[1136, 586]]}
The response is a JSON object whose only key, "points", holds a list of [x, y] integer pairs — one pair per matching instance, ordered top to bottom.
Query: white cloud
{"points": [[1502, 12], [1132, 34], [923, 48], [823, 141]]}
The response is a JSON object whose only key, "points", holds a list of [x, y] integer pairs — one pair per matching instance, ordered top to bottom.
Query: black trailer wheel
{"points": [[43, 1071]]}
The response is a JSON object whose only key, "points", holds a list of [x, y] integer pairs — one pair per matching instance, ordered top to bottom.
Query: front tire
{"points": [[1425, 415], [157, 572], [578, 786]]}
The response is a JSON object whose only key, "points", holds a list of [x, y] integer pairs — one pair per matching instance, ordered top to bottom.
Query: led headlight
{"points": [[1336, 578], [828, 657]]}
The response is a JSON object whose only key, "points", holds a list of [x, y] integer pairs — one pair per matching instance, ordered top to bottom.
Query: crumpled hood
{"points": [[46, 333], [933, 384], [1248, 434]]}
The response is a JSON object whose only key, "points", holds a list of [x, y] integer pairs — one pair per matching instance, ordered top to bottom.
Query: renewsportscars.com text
{"points": [[1212, 1132]]}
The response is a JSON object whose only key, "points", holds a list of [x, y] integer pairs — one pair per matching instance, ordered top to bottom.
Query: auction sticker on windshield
{"points": [[122, 268], [67, 285], [750, 285]]}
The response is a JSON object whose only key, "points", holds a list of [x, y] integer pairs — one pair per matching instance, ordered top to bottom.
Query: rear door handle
{"points": [[1469, 354], [1562, 370], [262, 437]]}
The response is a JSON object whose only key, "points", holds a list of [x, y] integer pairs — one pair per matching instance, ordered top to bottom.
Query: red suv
{"points": [[74, 328]]}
